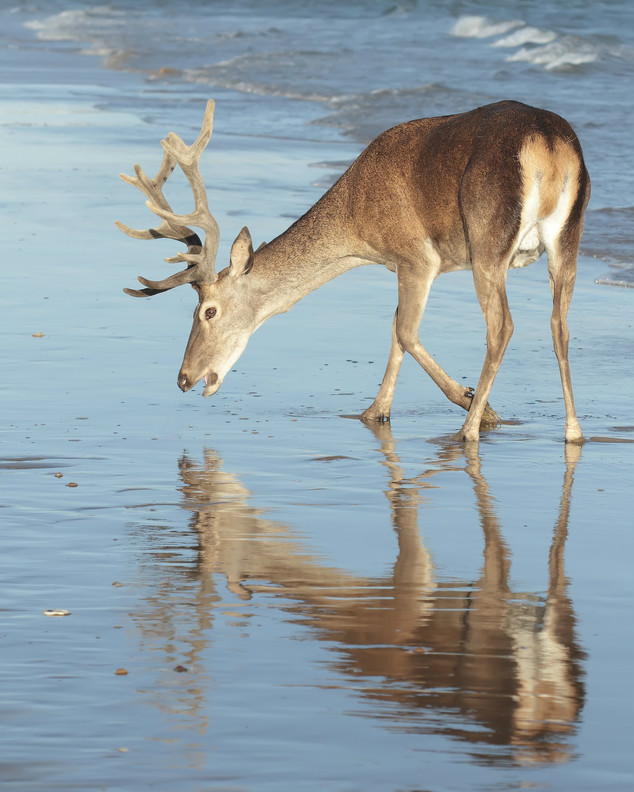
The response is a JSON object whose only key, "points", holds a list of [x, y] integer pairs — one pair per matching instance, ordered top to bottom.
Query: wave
{"points": [[77, 24], [481, 27], [102, 30], [526, 35], [545, 48], [564, 52]]}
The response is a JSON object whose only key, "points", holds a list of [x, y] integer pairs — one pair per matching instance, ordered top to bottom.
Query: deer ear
{"points": [[241, 254]]}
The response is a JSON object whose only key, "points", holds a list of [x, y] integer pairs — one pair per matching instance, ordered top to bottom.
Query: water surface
{"points": [[300, 602]]}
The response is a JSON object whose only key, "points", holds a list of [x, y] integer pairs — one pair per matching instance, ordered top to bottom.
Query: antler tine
{"points": [[190, 155], [187, 157], [152, 188], [200, 257]]}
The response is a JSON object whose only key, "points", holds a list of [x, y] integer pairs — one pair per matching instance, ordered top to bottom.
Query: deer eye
{"points": [[210, 313]]}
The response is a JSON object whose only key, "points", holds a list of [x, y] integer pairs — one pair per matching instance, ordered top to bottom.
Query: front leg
{"points": [[491, 293], [380, 408]]}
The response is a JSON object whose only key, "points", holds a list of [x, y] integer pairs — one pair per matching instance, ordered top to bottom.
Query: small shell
{"points": [[56, 612]]}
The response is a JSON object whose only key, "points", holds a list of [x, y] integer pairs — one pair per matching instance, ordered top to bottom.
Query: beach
{"points": [[257, 591]]}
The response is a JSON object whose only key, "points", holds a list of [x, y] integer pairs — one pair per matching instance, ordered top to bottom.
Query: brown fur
{"points": [[484, 190]]}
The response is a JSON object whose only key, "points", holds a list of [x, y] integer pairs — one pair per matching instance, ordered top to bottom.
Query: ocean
{"points": [[341, 69]]}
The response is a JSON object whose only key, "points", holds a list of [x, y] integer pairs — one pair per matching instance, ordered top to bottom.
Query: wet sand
{"points": [[299, 602]]}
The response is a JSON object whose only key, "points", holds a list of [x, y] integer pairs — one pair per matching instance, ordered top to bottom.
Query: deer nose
{"points": [[183, 382]]}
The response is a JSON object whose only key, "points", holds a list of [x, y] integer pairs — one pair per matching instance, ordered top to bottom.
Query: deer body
{"points": [[485, 190]]}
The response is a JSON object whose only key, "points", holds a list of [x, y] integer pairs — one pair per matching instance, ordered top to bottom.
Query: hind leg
{"points": [[562, 267], [490, 285]]}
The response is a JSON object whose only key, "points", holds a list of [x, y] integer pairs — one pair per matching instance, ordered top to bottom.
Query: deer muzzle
{"points": [[183, 382], [187, 382]]}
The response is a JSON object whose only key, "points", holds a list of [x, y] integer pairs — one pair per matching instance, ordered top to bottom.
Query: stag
{"points": [[485, 190]]}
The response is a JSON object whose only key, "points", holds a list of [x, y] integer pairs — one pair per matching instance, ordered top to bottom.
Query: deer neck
{"points": [[303, 258]]}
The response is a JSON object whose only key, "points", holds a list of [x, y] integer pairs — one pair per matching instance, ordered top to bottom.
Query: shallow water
{"points": [[299, 602]]}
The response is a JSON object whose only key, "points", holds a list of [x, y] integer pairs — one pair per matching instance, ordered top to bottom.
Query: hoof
{"points": [[373, 415], [490, 417], [573, 432], [465, 437]]}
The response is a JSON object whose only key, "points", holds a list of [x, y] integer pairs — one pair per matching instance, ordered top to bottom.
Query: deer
{"points": [[487, 190]]}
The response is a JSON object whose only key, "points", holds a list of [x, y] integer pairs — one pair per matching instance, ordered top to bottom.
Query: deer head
{"points": [[223, 319]]}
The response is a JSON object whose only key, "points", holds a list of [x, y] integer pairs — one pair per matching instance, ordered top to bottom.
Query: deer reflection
{"points": [[471, 659], [506, 661]]}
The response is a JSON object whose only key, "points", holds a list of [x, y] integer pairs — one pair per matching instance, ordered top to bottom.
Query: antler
{"points": [[200, 257]]}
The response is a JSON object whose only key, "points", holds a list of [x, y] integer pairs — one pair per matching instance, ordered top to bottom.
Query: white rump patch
{"points": [[550, 227], [529, 246]]}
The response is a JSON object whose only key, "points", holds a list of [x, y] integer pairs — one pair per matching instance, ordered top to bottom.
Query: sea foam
{"points": [[481, 27], [545, 48]]}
